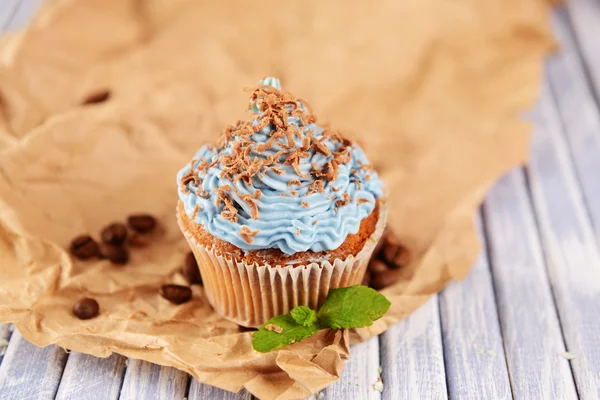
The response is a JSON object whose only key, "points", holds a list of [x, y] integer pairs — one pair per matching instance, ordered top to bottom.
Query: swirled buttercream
{"points": [[279, 180]]}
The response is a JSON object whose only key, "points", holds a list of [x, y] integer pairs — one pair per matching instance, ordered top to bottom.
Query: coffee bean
{"points": [[97, 97], [142, 223], [114, 234], [138, 240], [84, 247], [393, 252], [116, 254], [376, 266], [190, 270], [366, 279], [384, 279], [176, 294], [86, 308]]}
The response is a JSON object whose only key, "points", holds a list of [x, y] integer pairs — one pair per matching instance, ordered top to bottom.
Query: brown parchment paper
{"points": [[432, 89]]}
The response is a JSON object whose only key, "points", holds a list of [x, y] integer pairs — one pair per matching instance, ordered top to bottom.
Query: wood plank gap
{"points": [[562, 12], [563, 28], [526, 177], [484, 234], [6, 331], [474, 352]]}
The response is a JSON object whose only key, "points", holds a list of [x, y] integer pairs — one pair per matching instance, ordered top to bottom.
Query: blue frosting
{"points": [[291, 217]]}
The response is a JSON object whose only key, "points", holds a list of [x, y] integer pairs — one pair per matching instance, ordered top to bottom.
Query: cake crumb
{"points": [[274, 328], [568, 356], [380, 369], [378, 386]]}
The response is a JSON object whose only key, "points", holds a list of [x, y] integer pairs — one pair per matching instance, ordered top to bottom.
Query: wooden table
{"points": [[524, 324]]}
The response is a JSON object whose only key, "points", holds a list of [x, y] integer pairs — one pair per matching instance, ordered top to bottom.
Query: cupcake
{"points": [[279, 210]]}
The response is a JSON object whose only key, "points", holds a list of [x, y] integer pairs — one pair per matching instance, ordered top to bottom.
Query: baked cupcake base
{"points": [[249, 293]]}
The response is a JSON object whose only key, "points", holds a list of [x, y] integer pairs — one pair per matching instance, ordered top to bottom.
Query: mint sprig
{"points": [[352, 307]]}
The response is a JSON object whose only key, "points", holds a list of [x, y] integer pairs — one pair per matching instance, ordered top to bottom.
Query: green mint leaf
{"points": [[352, 307], [304, 315], [280, 331]]}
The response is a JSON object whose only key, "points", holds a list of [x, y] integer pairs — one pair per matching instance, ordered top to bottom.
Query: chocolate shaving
{"points": [[318, 146], [277, 170], [294, 182], [316, 186], [293, 193], [257, 194], [362, 200], [344, 201], [305, 204], [253, 207], [197, 209], [298, 232], [247, 234]]}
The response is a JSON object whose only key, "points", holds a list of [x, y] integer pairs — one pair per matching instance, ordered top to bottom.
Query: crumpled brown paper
{"points": [[432, 89]]}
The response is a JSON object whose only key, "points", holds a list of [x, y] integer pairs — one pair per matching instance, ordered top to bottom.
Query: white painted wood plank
{"points": [[8, 9], [23, 14], [585, 18], [578, 113], [570, 248], [5, 333], [533, 340], [473, 348], [412, 356], [28, 372], [360, 373], [92, 378], [144, 380], [200, 391]]}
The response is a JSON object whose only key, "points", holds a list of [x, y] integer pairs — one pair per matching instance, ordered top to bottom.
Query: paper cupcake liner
{"points": [[251, 294]]}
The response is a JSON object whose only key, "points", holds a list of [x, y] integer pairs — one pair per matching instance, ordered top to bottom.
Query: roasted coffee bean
{"points": [[97, 97], [142, 223], [114, 234], [138, 240], [84, 247], [393, 252], [116, 254], [376, 266], [190, 270], [366, 279], [384, 279], [176, 294], [86, 308]]}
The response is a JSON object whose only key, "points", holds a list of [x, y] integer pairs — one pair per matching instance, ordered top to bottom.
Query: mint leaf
{"points": [[352, 307], [304, 315], [280, 331]]}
